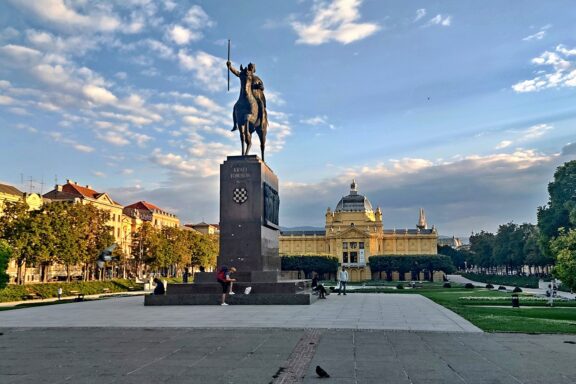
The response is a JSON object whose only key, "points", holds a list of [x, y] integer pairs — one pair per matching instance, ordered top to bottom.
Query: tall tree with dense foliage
{"points": [[560, 212], [14, 228], [482, 249], [564, 249], [5, 253]]}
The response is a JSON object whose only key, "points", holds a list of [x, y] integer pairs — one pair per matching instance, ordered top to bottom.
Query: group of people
{"points": [[226, 281], [340, 287]]}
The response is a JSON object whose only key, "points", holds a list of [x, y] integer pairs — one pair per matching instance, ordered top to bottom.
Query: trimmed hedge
{"points": [[410, 263], [309, 264], [517, 281], [469, 286], [19, 292]]}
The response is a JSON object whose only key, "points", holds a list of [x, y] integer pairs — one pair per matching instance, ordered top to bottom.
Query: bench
{"points": [[131, 289], [105, 290], [78, 294]]}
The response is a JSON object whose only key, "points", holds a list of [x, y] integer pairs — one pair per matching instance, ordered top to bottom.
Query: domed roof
{"points": [[354, 202]]}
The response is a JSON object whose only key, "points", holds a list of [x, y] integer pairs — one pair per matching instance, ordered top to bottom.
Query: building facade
{"points": [[9, 194], [354, 232]]}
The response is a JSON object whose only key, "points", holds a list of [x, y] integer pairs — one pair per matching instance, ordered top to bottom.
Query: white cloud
{"points": [[420, 13], [63, 15], [196, 18], [334, 21], [443, 21], [181, 35], [537, 36], [19, 55], [208, 69], [562, 72], [5, 84], [99, 94], [6, 100], [195, 120], [316, 120], [536, 131], [113, 138], [64, 139], [504, 144], [83, 148], [98, 174]]}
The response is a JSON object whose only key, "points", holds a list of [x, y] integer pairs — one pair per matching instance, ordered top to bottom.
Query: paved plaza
{"points": [[356, 311], [358, 338]]}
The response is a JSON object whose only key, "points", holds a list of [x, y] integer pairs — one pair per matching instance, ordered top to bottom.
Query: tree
{"points": [[560, 212], [14, 228], [482, 248], [564, 249], [5, 253], [459, 257], [309, 264]]}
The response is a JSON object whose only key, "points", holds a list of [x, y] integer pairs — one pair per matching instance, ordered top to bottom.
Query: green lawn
{"points": [[483, 314]]}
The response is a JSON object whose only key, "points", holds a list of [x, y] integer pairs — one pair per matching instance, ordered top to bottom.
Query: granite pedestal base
{"points": [[284, 292]]}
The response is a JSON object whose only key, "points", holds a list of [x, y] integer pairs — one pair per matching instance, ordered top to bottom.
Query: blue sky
{"points": [[463, 108]]}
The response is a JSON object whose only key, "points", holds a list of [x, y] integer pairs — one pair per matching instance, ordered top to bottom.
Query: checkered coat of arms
{"points": [[239, 195]]}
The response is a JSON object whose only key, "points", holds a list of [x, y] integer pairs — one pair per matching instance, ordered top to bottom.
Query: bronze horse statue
{"points": [[249, 112]]}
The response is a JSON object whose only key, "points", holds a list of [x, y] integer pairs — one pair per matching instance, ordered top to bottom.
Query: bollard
{"points": [[515, 301]]}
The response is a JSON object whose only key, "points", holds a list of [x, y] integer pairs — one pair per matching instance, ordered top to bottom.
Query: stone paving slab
{"points": [[354, 311], [251, 356]]}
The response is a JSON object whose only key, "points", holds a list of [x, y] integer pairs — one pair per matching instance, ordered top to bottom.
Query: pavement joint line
{"points": [[154, 361], [293, 371]]}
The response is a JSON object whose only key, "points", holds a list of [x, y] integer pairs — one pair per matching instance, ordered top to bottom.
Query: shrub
{"points": [[309, 264], [447, 285], [399, 286], [469, 286], [489, 286], [501, 288], [517, 289], [17, 292]]}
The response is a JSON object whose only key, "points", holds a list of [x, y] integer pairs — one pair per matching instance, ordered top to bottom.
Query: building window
{"points": [[344, 245], [354, 245], [361, 245], [344, 257], [353, 257]]}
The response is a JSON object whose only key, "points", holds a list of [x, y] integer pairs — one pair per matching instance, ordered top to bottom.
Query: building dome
{"points": [[354, 202]]}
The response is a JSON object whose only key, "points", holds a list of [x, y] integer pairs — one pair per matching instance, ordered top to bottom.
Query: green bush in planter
{"points": [[446, 285], [399, 286], [469, 286], [489, 286], [501, 288], [517, 290]]}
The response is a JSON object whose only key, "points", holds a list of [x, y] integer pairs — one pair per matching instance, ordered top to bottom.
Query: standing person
{"points": [[185, 276], [343, 277], [226, 282], [159, 290], [59, 293]]}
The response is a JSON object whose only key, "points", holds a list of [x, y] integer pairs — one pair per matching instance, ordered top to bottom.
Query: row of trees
{"points": [[73, 235], [552, 242], [511, 248]]}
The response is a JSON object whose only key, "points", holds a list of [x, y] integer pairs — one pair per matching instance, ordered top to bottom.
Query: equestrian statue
{"points": [[250, 110]]}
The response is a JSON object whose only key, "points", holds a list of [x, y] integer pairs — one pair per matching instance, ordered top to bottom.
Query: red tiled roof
{"points": [[78, 190], [144, 205]]}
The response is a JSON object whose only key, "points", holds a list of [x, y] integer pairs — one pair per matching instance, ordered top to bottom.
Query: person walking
{"points": [[343, 277], [226, 282]]}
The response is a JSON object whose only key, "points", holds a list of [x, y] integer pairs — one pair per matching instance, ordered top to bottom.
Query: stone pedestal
{"points": [[249, 204], [249, 216]]}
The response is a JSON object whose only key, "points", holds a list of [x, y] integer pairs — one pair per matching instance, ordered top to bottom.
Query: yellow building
{"points": [[73, 192], [9, 193], [145, 211], [205, 228], [354, 232]]}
